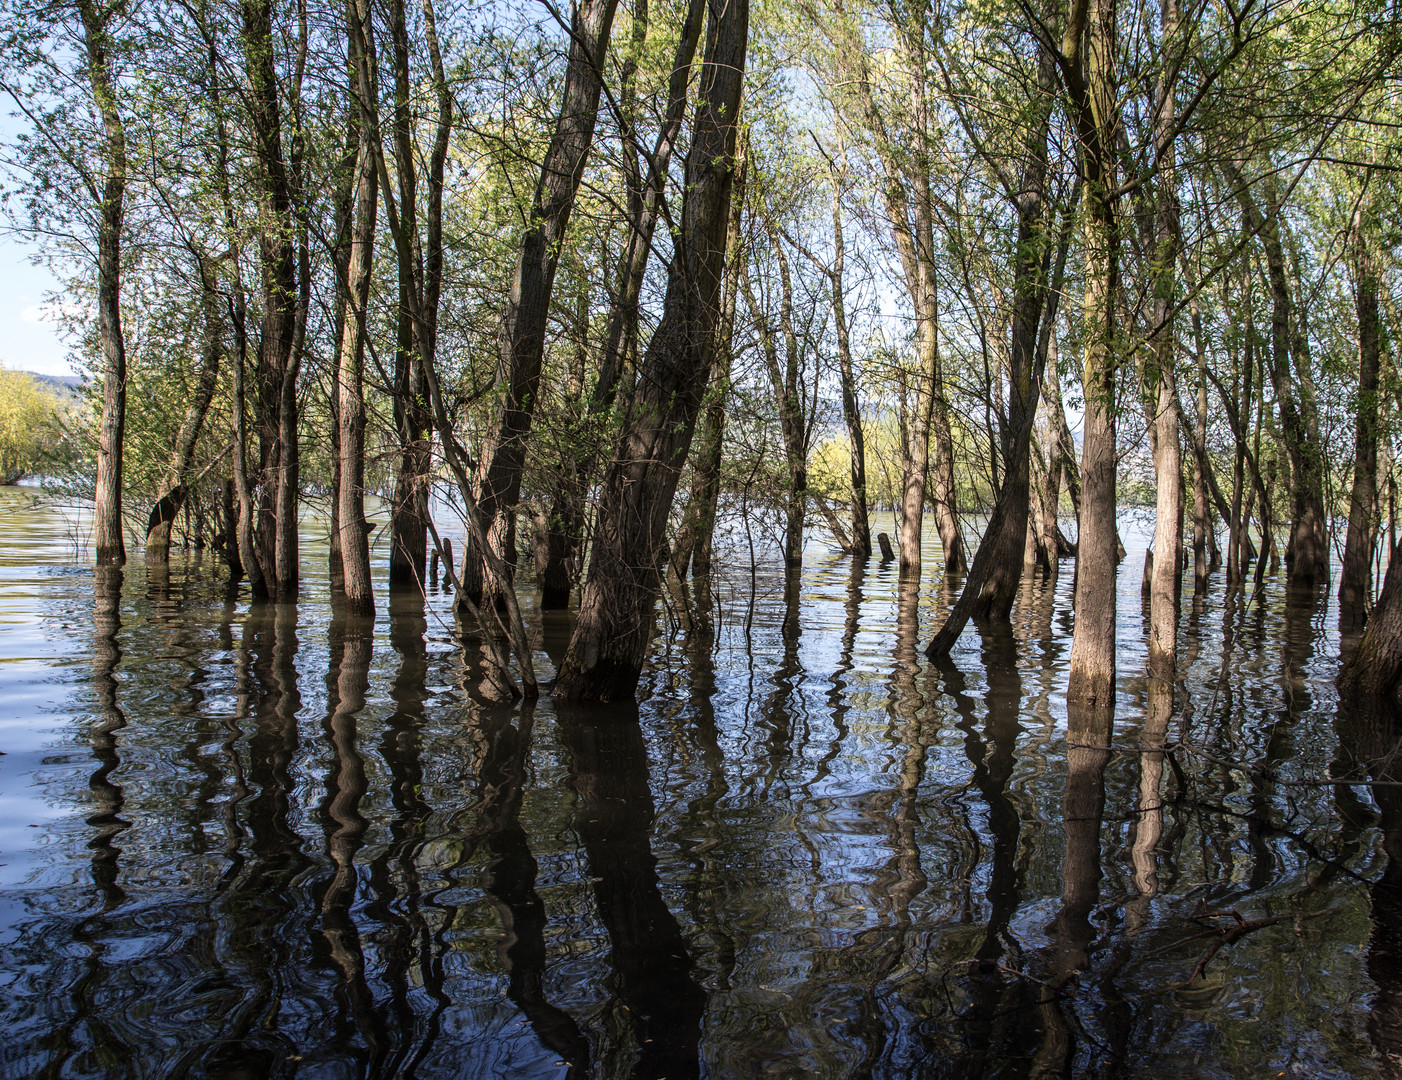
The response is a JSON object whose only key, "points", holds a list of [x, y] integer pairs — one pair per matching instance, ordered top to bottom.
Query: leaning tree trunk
{"points": [[528, 306], [182, 454], [107, 519], [566, 519], [697, 536], [355, 540], [1307, 551], [997, 568], [1356, 577], [610, 640]]}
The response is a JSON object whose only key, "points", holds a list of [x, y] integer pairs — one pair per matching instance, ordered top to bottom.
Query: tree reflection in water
{"points": [[273, 840]]}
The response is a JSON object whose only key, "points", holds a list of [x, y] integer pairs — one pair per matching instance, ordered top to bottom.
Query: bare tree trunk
{"points": [[1088, 48], [110, 198], [528, 307], [620, 337], [276, 398], [787, 398], [851, 411], [412, 419], [1168, 454], [172, 499], [354, 532], [1307, 552], [1356, 578], [993, 580], [610, 640]]}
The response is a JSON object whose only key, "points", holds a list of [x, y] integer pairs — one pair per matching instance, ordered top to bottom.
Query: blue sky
{"points": [[28, 340]]}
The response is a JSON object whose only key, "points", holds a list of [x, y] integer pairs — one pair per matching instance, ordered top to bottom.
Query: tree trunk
{"points": [[1088, 46], [528, 307], [620, 337], [278, 353], [851, 411], [412, 419], [1168, 455], [172, 499], [354, 532], [110, 548], [1307, 551], [993, 580], [1355, 580], [610, 639], [1374, 668]]}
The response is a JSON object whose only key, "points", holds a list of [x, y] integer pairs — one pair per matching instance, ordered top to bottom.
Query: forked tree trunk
{"points": [[528, 306], [620, 337], [851, 411], [110, 548], [1356, 578], [610, 639]]}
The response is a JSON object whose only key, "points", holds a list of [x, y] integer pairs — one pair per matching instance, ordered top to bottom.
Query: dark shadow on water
{"points": [[654, 975]]}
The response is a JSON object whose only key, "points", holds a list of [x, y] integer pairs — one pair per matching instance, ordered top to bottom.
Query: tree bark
{"points": [[1087, 69], [523, 327], [620, 337], [278, 352], [412, 422], [1168, 455], [173, 496], [354, 532], [110, 548], [1307, 551], [1356, 578], [606, 651]]}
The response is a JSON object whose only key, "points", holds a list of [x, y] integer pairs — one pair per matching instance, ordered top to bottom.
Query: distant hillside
{"points": [[70, 383]]}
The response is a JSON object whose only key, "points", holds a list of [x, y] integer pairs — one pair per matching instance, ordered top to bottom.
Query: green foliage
{"points": [[37, 426]]}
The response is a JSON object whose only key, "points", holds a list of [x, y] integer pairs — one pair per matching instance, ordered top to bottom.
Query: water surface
{"points": [[244, 840]]}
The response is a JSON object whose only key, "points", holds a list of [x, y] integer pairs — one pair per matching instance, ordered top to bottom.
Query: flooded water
{"points": [[260, 840]]}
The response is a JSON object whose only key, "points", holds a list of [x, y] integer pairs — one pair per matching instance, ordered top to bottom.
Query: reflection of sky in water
{"points": [[841, 855]]}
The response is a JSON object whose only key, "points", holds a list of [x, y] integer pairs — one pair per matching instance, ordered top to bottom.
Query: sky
{"points": [[28, 340]]}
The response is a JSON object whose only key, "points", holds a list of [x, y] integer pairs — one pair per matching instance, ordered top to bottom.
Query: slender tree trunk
{"points": [[1088, 46], [110, 198], [528, 307], [620, 337], [851, 411], [412, 421], [1168, 456], [173, 496], [699, 526], [355, 546], [1307, 552], [1356, 578], [993, 579], [610, 639]]}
